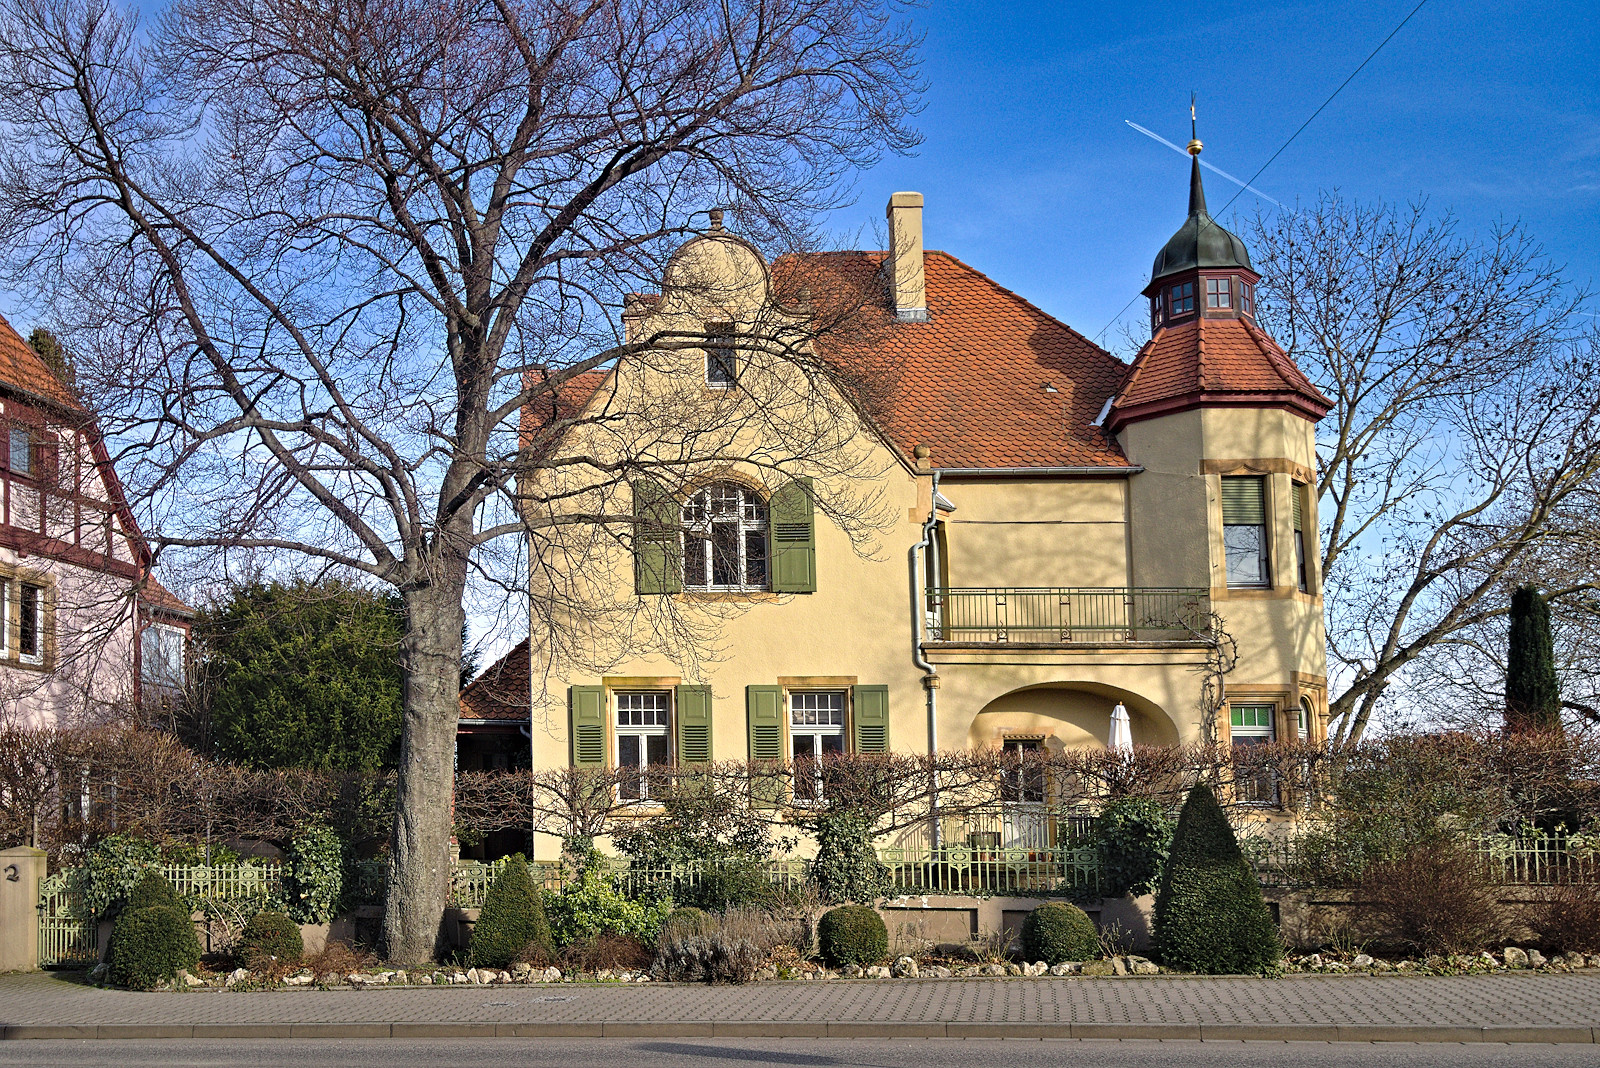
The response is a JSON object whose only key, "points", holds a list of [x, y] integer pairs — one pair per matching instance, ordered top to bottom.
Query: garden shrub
{"points": [[714, 831], [1133, 836], [846, 867], [110, 870], [313, 875], [154, 891], [1437, 898], [590, 905], [1210, 915], [1568, 919], [512, 922], [1057, 932], [852, 934], [270, 936], [151, 945], [727, 947], [616, 952]]}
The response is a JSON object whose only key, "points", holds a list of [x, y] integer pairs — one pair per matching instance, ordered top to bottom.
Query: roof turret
{"points": [[1201, 241]]}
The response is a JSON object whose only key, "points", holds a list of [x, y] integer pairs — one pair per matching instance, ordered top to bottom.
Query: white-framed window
{"points": [[1219, 293], [1180, 299], [722, 359], [21, 451], [1244, 530], [725, 539], [30, 623], [161, 656], [643, 718], [1303, 719], [1254, 723], [816, 732], [1024, 782]]}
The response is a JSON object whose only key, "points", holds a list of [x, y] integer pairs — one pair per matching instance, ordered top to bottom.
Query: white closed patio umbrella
{"points": [[1121, 730]]}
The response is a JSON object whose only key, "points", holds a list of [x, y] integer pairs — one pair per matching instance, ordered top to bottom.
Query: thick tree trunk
{"points": [[419, 861]]}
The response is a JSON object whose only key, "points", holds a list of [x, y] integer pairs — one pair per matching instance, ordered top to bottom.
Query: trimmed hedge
{"points": [[152, 891], [1210, 916], [512, 922], [1057, 932], [852, 934], [271, 936], [151, 945]]}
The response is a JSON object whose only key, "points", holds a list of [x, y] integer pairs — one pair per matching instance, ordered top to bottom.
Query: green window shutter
{"points": [[1298, 492], [1244, 501], [792, 538], [657, 552], [764, 705], [872, 719], [693, 723], [586, 725]]}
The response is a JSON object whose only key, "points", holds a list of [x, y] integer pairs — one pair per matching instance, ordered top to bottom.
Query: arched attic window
{"points": [[725, 539]]}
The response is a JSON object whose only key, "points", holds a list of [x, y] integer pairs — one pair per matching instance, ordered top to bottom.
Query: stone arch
{"points": [[1069, 715]]}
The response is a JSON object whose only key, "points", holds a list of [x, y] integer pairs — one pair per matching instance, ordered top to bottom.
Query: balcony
{"points": [[1060, 616]]}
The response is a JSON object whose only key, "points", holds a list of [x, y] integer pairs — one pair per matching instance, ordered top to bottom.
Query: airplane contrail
{"points": [[1203, 163]]}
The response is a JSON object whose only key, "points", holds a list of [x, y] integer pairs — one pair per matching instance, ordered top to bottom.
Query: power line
{"points": [[1290, 141]]}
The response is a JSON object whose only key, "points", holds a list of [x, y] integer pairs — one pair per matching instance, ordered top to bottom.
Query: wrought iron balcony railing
{"points": [[1053, 616]]}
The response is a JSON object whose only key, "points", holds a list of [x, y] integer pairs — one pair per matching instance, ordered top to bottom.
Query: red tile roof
{"points": [[1220, 360], [22, 369], [971, 382], [566, 403], [158, 597], [501, 693]]}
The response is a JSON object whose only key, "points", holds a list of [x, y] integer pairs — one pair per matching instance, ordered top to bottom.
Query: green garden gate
{"points": [[68, 936]]}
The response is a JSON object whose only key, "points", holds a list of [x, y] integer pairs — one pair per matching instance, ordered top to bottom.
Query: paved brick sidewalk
{"points": [[1508, 1007]]}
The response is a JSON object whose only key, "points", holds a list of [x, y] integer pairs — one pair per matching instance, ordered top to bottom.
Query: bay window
{"points": [[1244, 531]]}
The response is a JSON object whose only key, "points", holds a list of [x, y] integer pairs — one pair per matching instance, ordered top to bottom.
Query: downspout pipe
{"points": [[927, 548]]}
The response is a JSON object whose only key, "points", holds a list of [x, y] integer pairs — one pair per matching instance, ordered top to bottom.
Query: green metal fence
{"points": [[1051, 615], [1315, 861]]}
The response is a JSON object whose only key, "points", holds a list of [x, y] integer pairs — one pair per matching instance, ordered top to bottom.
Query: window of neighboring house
{"points": [[1219, 293], [1247, 298], [1180, 299], [722, 367], [21, 446], [1244, 530], [725, 539], [1302, 577], [30, 623], [161, 656], [642, 720], [1254, 724], [816, 732], [1025, 776]]}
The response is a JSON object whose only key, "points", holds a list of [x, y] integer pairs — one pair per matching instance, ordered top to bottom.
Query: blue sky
{"points": [[1031, 175]]}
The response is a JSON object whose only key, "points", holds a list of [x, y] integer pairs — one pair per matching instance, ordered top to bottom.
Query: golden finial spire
{"points": [[1194, 139]]}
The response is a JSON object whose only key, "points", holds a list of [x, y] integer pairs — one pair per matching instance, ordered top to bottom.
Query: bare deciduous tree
{"points": [[315, 259], [1465, 438]]}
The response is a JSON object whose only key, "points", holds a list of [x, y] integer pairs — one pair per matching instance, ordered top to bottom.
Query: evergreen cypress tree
{"points": [[1533, 694], [1210, 916]]}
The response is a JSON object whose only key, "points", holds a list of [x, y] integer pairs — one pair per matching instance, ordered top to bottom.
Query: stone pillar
{"points": [[21, 870]]}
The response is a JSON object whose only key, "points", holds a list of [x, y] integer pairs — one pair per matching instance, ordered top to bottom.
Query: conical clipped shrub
{"points": [[153, 891], [1210, 916], [512, 923], [151, 945]]}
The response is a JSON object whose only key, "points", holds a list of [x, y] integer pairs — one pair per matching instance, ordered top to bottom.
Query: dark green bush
{"points": [[1133, 836], [152, 891], [1210, 916], [512, 923], [1057, 932], [852, 934], [271, 936], [150, 945]]}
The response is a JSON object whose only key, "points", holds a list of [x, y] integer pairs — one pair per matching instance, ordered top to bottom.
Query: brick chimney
{"points": [[907, 285]]}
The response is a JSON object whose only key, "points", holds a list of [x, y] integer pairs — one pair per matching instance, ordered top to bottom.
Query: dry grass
{"points": [[726, 947], [616, 952], [339, 958]]}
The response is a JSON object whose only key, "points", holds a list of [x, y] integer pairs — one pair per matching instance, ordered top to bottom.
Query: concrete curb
{"points": [[1035, 1031]]}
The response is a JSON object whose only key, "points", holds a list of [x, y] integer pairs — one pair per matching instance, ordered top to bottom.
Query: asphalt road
{"points": [[785, 1053]]}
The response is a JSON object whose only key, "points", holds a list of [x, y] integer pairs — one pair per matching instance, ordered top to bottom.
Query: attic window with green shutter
{"points": [[1244, 530], [725, 539]]}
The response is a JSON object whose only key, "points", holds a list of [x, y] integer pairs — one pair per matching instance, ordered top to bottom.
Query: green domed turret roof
{"points": [[1201, 241]]}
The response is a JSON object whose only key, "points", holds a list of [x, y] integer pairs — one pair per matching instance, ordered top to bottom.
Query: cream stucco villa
{"points": [[1055, 529]]}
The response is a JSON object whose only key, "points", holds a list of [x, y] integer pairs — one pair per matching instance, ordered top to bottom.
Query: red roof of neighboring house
{"points": [[1213, 361], [970, 383], [565, 403], [156, 596], [501, 693]]}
